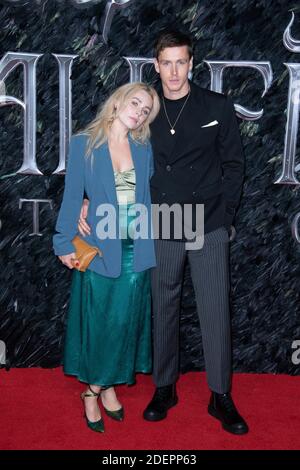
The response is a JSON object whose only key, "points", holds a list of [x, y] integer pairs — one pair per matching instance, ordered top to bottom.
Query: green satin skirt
{"points": [[108, 334]]}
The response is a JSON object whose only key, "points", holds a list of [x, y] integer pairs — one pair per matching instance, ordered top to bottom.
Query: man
{"points": [[198, 159]]}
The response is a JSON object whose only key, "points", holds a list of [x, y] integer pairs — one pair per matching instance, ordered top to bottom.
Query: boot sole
{"points": [[174, 403], [225, 426]]}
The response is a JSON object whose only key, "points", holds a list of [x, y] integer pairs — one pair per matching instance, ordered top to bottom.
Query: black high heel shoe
{"points": [[117, 415], [97, 426]]}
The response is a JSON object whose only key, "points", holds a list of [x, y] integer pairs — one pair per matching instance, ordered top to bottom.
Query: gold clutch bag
{"points": [[85, 253]]}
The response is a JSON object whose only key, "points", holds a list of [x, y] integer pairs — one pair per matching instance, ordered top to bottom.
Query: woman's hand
{"points": [[83, 227], [69, 260]]}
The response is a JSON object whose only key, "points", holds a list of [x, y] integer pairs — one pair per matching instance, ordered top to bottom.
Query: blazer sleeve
{"points": [[232, 160], [66, 225]]}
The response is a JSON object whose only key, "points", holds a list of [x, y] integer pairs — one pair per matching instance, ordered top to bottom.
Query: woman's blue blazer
{"points": [[95, 175]]}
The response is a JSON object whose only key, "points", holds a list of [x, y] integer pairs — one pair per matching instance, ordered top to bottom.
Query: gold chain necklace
{"points": [[172, 130]]}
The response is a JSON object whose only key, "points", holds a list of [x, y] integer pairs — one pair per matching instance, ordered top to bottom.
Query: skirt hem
{"points": [[111, 384]]}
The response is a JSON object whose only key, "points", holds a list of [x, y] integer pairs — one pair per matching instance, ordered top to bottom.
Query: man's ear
{"points": [[191, 64], [156, 65]]}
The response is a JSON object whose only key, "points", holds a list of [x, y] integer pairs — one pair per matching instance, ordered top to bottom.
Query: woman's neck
{"points": [[118, 132]]}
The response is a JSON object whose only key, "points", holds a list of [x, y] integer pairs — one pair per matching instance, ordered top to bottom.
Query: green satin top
{"points": [[125, 186]]}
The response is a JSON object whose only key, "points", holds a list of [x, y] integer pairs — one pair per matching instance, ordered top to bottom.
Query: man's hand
{"points": [[83, 227], [69, 260]]}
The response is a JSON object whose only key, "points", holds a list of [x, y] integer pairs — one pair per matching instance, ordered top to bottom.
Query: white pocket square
{"points": [[212, 123]]}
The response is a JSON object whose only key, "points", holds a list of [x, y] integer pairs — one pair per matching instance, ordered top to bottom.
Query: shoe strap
{"points": [[92, 394]]}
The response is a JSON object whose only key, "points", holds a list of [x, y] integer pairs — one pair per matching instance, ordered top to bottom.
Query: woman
{"points": [[108, 323]]}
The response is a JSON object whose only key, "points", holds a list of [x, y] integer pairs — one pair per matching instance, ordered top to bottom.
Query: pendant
{"points": [[172, 131]]}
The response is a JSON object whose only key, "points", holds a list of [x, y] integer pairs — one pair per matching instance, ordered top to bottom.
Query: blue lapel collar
{"points": [[137, 158], [103, 173]]}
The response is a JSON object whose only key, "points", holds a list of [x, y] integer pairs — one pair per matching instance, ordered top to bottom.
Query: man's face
{"points": [[173, 65]]}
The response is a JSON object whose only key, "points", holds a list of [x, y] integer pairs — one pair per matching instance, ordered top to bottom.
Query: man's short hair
{"points": [[172, 38]]}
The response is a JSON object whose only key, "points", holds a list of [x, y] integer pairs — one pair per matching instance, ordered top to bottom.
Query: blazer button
{"points": [[168, 168], [194, 193], [163, 194]]}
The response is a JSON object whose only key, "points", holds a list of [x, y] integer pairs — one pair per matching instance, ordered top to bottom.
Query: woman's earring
{"points": [[113, 117]]}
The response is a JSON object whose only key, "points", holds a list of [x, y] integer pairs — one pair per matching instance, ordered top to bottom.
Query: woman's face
{"points": [[136, 110]]}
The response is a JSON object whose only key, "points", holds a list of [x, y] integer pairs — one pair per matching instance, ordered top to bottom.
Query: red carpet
{"points": [[41, 409]]}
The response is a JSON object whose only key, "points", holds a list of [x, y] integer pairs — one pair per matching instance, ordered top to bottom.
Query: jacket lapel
{"points": [[139, 159], [103, 172]]}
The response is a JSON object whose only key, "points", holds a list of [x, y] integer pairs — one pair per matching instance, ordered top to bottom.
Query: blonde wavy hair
{"points": [[99, 128]]}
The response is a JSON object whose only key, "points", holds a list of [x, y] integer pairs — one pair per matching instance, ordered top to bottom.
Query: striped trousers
{"points": [[210, 276]]}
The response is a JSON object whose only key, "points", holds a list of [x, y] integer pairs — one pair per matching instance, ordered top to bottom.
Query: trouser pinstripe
{"points": [[210, 276]]}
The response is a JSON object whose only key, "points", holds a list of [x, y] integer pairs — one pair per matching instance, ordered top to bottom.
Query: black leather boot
{"points": [[163, 399], [221, 406]]}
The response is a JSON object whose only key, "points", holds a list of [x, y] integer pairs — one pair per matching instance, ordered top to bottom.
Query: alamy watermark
{"points": [[165, 221], [296, 354]]}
